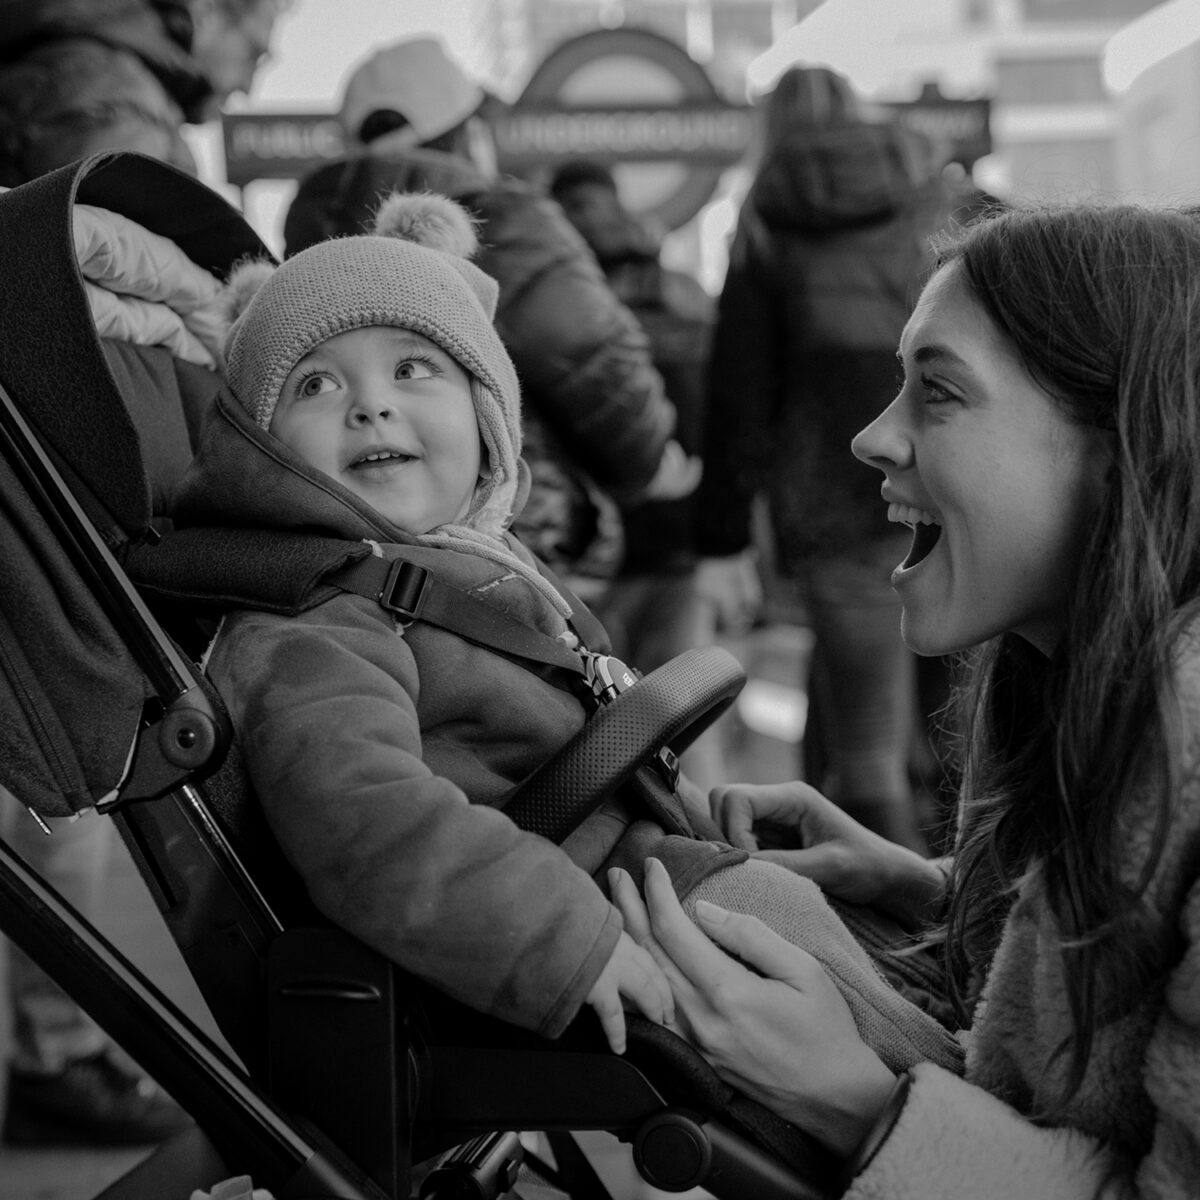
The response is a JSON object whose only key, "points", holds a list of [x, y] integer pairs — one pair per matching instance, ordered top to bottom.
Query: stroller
{"points": [[351, 1079]]}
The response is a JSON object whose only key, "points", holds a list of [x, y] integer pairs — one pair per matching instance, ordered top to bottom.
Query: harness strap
{"points": [[414, 593]]}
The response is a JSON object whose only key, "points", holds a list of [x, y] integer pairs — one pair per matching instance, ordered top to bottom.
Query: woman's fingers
{"points": [[736, 807], [734, 814], [824, 864], [629, 903], [637, 924], [756, 945], [694, 956]]}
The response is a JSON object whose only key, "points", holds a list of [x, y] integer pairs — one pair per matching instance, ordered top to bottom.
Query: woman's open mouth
{"points": [[926, 531]]}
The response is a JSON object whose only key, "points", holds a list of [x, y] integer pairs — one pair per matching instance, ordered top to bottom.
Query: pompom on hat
{"points": [[410, 272]]}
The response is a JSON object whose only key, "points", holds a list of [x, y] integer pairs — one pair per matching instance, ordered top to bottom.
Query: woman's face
{"points": [[997, 484]]}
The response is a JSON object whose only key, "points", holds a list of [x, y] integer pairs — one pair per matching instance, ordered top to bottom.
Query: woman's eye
{"points": [[414, 368], [313, 385], [935, 393]]}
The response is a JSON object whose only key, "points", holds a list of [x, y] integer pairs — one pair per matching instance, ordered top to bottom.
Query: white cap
{"points": [[415, 78]]}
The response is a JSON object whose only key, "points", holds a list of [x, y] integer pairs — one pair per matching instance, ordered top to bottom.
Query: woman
{"points": [[1045, 448]]}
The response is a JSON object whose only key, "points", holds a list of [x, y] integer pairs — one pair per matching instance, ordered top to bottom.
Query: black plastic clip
{"points": [[404, 590], [607, 676], [667, 762]]}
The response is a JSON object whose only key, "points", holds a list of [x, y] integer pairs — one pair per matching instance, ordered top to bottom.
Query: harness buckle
{"points": [[404, 590], [607, 676], [667, 763]]}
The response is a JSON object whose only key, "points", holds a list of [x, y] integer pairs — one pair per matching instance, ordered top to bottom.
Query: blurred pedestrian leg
{"points": [[863, 690]]}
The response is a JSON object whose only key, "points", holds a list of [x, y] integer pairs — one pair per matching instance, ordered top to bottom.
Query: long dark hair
{"points": [[1103, 308]]}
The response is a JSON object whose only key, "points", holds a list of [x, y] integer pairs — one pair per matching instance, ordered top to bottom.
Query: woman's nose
{"points": [[883, 444]]}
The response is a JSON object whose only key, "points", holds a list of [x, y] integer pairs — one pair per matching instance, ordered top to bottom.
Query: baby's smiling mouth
{"points": [[380, 458], [927, 529]]}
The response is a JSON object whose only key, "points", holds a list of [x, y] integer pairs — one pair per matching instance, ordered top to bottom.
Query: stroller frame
{"points": [[298, 1001]]}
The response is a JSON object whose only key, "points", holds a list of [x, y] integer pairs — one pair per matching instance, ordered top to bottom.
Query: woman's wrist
{"points": [[847, 1114], [869, 1145]]}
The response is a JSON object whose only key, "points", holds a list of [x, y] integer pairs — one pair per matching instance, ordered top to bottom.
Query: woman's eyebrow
{"points": [[937, 354]]}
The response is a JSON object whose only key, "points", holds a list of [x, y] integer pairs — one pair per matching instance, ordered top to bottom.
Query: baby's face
{"points": [[389, 415]]}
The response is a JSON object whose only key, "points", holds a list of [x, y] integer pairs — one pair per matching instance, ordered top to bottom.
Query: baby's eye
{"points": [[414, 368], [314, 385]]}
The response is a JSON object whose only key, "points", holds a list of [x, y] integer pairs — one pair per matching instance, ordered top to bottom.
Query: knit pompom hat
{"points": [[410, 272]]}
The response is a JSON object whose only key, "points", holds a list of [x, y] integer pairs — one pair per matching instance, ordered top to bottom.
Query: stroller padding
{"points": [[66, 387], [120, 421], [272, 570]]}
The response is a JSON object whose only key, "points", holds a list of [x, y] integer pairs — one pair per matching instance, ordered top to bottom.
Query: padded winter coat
{"points": [[830, 251], [380, 755]]}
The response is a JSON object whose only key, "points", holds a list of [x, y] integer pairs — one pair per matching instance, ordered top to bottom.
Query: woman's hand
{"points": [[847, 860], [776, 1028]]}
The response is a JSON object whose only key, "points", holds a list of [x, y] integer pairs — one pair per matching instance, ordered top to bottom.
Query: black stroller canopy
{"points": [[53, 358], [113, 418]]}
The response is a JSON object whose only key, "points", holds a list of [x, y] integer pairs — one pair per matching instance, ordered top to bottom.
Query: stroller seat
{"points": [[102, 704]]}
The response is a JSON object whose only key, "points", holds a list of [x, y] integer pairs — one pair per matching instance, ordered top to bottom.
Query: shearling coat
{"points": [[380, 755], [1133, 1129]]}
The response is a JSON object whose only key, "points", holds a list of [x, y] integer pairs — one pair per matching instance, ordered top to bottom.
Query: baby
{"points": [[375, 401]]}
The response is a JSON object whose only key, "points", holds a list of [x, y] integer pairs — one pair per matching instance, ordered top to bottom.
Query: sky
{"points": [[317, 42]]}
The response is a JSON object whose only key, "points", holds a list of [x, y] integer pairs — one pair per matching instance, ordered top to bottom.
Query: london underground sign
{"points": [[626, 96], [633, 97], [714, 133]]}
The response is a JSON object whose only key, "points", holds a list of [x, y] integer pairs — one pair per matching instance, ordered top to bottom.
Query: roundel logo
{"points": [[632, 97]]}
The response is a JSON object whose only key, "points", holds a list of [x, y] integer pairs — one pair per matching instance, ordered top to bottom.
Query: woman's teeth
{"points": [[906, 514], [927, 529]]}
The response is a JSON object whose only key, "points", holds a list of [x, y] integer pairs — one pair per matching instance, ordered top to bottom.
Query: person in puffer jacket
{"points": [[830, 250], [374, 401], [599, 431]]}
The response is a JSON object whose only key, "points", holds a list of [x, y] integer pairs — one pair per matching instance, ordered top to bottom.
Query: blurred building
{"points": [[1152, 69], [1054, 123], [1058, 132]]}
